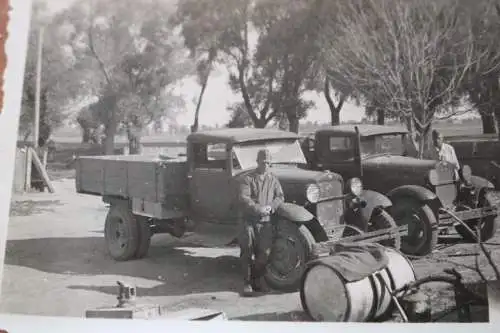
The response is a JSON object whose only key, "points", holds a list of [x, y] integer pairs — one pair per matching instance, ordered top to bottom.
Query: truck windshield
{"points": [[382, 144], [286, 152]]}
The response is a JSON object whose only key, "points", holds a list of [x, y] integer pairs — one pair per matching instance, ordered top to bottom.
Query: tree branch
{"points": [[94, 52]]}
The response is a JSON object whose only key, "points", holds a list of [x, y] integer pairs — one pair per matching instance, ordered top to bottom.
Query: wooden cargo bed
{"points": [[131, 176]]}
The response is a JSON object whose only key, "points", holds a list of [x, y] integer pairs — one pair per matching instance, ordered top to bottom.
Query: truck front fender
{"points": [[480, 183], [413, 191], [373, 200], [294, 213], [299, 215]]}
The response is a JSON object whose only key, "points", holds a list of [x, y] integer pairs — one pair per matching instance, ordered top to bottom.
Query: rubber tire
{"points": [[122, 212], [381, 219], [429, 222], [489, 228], [145, 234], [306, 239]]}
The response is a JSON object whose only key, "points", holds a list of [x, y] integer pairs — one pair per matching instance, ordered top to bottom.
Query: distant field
{"points": [[459, 130], [159, 140]]}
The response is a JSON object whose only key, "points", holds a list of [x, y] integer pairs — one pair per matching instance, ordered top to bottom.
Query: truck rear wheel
{"points": [[379, 220], [422, 226], [121, 233], [145, 234], [292, 249]]}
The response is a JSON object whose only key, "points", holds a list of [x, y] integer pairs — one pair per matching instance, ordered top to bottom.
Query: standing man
{"points": [[441, 151], [260, 195]]}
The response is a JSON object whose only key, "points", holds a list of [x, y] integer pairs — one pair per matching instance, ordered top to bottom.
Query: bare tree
{"points": [[411, 57], [483, 86]]}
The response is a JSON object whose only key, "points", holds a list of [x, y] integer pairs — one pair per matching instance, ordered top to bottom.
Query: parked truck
{"points": [[149, 195], [427, 195]]}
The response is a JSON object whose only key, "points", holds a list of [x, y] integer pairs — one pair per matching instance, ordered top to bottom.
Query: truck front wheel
{"points": [[123, 234], [292, 249]]}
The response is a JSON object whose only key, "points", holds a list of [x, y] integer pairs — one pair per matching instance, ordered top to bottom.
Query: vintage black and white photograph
{"points": [[258, 160]]}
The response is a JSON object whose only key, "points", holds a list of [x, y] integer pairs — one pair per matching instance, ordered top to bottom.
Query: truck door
{"points": [[336, 153], [210, 182]]}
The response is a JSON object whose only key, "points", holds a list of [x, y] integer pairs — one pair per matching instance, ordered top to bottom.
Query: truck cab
{"points": [[427, 195]]}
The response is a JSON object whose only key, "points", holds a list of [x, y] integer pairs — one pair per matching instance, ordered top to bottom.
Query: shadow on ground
{"points": [[31, 207], [173, 267], [478, 314], [276, 316]]}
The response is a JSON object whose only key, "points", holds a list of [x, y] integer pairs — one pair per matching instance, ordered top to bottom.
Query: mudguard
{"points": [[480, 182], [415, 191], [373, 200], [294, 213]]}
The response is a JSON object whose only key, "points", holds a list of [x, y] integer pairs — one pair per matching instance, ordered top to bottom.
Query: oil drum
{"points": [[326, 296]]}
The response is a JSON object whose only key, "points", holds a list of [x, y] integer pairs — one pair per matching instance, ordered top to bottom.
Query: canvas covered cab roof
{"points": [[364, 129], [238, 135]]}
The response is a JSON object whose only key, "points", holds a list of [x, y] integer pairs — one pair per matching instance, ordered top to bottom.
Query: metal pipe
{"points": [[461, 222]]}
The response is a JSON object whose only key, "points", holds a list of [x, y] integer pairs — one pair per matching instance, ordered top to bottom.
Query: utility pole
{"points": [[38, 84]]}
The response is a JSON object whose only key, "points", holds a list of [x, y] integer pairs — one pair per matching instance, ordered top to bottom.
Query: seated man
{"points": [[260, 194]]}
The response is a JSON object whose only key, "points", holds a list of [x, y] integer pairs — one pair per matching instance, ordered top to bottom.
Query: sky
{"points": [[218, 95]]}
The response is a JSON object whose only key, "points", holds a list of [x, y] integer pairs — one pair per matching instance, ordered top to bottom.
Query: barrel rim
{"points": [[410, 263], [303, 296]]}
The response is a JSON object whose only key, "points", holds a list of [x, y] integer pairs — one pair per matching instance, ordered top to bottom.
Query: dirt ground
{"points": [[56, 265]]}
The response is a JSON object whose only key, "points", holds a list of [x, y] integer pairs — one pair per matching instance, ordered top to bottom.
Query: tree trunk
{"points": [[334, 109], [335, 116], [380, 117], [497, 117], [488, 120], [260, 123], [293, 123], [194, 127], [110, 132], [86, 134], [27, 135], [134, 141], [412, 141], [424, 141], [134, 145]]}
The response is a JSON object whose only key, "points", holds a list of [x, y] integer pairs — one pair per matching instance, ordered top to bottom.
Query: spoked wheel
{"points": [[380, 220], [487, 225], [422, 226], [351, 230], [126, 235], [292, 249]]}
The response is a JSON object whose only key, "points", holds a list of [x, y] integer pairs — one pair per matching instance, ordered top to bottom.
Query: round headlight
{"points": [[467, 173], [355, 186], [312, 193]]}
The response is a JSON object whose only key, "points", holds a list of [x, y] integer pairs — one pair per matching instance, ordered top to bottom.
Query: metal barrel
{"points": [[326, 296]]}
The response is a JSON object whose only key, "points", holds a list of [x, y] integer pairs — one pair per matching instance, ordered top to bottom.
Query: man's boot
{"points": [[247, 282], [258, 282]]}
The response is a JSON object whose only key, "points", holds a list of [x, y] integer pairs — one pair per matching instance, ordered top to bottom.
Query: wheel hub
{"points": [[120, 234], [416, 234]]}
